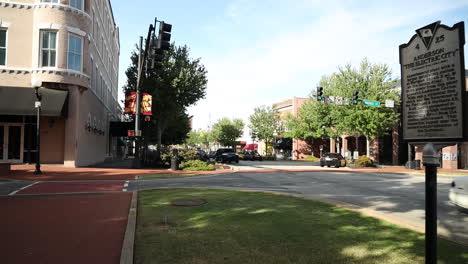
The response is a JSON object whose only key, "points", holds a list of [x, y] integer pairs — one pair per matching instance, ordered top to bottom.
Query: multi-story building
{"points": [[70, 48]]}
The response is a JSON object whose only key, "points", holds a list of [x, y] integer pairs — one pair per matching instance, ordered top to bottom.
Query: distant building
{"points": [[72, 48]]}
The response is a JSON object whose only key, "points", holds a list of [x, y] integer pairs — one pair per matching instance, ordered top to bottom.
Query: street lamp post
{"points": [[37, 105]]}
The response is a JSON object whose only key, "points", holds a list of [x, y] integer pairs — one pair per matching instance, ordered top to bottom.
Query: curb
{"points": [[126, 256]]}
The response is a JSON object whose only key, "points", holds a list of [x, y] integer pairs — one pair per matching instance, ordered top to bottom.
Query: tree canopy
{"points": [[176, 82], [316, 119], [265, 124], [227, 131], [199, 138]]}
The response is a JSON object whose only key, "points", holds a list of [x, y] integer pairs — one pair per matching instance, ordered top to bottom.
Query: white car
{"points": [[458, 194]]}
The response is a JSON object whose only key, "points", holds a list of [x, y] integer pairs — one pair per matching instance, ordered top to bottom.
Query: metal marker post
{"points": [[431, 160]]}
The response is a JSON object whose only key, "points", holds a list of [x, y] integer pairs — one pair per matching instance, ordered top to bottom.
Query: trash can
{"points": [[175, 160], [174, 163]]}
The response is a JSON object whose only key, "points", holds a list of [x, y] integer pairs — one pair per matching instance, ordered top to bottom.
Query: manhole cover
{"points": [[188, 202]]}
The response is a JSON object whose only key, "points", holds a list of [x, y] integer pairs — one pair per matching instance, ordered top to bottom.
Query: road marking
{"points": [[125, 186], [13, 193]]}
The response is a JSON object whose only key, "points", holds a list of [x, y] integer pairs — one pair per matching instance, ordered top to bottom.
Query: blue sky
{"points": [[258, 52]]}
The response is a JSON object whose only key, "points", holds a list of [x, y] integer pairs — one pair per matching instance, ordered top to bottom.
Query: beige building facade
{"points": [[70, 49]]}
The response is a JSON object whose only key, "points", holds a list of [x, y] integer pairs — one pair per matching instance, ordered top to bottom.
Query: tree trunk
{"points": [[158, 141], [357, 144], [367, 147], [338, 149]]}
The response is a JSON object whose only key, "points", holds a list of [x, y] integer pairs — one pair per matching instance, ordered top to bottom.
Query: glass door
{"points": [[2, 143], [11, 143], [14, 143]]}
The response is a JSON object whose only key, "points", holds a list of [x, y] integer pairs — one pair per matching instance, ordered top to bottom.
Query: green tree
{"points": [[373, 81], [175, 83], [264, 124], [227, 131], [201, 137]]}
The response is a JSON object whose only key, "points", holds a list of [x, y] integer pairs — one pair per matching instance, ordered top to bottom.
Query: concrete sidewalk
{"points": [[59, 172]]}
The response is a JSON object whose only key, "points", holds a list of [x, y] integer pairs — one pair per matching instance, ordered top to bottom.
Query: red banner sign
{"points": [[130, 103], [146, 104]]}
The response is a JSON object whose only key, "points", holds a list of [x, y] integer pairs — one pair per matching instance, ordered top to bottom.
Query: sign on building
{"points": [[433, 83]]}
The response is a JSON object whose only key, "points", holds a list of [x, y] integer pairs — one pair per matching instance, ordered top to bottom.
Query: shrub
{"points": [[188, 154], [241, 156], [311, 158], [363, 161], [196, 165]]}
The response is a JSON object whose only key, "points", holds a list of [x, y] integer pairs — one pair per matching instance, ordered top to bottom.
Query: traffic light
{"points": [[164, 36], [319, 93], [355, 97]]}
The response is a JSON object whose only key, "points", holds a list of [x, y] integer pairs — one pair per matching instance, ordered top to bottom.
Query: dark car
{"points": [[212, 154], [201, 155], [224, 155], [253, 156], [332, 159]]}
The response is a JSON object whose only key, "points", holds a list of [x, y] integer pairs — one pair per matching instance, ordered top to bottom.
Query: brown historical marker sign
{"points": [[433, 83]]}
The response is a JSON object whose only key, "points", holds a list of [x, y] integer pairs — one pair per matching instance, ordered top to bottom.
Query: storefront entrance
{"points": [[11, 142]]}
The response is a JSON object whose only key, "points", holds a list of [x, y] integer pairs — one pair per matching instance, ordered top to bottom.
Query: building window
{"points": [[49, 1], [77, 4], [3, 47], [48, 48], [74, 52]]}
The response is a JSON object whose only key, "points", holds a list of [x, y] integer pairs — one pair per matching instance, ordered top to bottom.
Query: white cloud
{"points": [[289, 64]]}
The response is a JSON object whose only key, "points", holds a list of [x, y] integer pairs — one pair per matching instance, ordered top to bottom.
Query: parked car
{"points": [[212, 154], [201, 155], [226, 155], [252, 155], [332, 159], [458, 193]]}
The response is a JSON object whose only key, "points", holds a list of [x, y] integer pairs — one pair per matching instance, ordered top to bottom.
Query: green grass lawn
{"points": [[165, 176], [248, 227]]}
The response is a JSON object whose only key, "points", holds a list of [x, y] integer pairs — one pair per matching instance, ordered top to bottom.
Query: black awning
{"points": [[20, 101], [120, 129]]}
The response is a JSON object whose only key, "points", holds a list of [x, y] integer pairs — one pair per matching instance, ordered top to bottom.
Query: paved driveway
{"points": [[396, 197]]}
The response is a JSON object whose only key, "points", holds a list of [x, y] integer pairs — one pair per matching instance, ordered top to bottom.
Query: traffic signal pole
{"points": [[142, 58], [137, 160]]}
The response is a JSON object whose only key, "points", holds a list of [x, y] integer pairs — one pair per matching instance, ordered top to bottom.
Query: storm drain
{"points": [[188, 202]]}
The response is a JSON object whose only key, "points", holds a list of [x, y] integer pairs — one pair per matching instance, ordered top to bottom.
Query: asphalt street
{"points": [[9, 187], [398, 198]]}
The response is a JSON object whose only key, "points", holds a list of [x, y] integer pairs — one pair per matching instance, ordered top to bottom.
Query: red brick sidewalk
{"points": [[57, 172], [63, 228]]}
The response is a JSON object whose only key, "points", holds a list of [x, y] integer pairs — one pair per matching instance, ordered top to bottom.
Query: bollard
{"points": [[175, 160], [431, 161]]}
